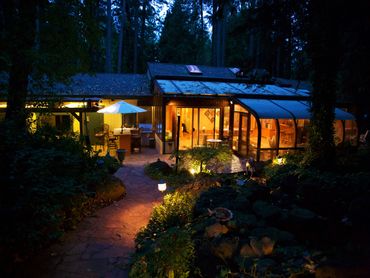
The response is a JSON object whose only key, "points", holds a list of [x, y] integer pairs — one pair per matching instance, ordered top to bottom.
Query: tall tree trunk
{"points": [[20, 19], [136, 31], [143, 31], [219, 32], [121, 33], [108, 38], [323, 47]]}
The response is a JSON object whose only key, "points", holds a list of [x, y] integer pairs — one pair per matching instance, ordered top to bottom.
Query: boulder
{"points": [[266, 210], [215, 230], [273, 233], [225, 248], [258, 248]]}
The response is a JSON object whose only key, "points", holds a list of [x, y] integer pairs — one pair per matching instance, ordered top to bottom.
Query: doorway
{"points": [[197, 126]]}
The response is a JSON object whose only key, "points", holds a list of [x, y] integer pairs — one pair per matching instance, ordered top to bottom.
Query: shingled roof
{"points": [[178, 71], [100, 85], [106, 85]]}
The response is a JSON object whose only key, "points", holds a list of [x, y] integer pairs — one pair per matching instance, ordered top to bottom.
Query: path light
{"points": [[280, 160], [192, 171], [162, 186]]}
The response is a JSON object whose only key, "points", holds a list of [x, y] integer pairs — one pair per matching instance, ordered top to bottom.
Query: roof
{"points": [[173, 71], [106, 84], [99, 85], [187, 87], [285, 109]]}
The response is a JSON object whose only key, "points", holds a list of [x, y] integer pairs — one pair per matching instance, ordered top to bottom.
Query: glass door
{"points": [[243, 134]]}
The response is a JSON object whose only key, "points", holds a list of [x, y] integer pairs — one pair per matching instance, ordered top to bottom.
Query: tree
{"points": [[17, 17], [108, 38], [189, 47], [59, 50], [324, 52]]}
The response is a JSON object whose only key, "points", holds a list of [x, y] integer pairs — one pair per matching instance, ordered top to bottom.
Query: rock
{"points": [[266, 210], [302, 214], [245, 220], [215, 230], [273, 233], [225, 248], [258, 248], [247, 251], [264, 265]]}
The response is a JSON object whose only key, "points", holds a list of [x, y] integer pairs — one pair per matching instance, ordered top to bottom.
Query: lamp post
{"points": [[177, 139], [162, 186]]}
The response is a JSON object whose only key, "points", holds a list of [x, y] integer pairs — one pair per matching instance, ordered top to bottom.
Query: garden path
{"points": [[101, 245]]}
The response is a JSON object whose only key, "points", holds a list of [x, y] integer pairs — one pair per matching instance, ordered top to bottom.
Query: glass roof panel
{"points": [[168, 87], [193, 87], [221, 88], [266, 109], [300, 110]]}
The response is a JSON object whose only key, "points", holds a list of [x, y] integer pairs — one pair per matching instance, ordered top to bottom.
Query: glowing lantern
{"points": [[162, 186]]}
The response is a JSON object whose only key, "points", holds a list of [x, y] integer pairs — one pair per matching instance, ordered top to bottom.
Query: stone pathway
{"points": [[101, 245]]}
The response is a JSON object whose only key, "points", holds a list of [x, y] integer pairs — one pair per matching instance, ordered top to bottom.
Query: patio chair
{"points": [[99, 138], [135, 140]]}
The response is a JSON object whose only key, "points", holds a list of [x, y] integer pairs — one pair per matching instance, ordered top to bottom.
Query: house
{"points": [[195, 106]]}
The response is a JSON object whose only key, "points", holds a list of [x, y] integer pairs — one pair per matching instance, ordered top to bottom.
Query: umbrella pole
{"points": [[122, 123]]}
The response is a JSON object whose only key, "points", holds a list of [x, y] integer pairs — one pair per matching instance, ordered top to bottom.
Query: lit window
{"points": [[193, 69]]}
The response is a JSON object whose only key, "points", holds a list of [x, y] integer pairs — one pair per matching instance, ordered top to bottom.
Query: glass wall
{"points": [[226, 122], [197, 125], [338, 131], [302, 132], [350, 132], [287, 133], [253, 137], [269, 142], [235, 144]]}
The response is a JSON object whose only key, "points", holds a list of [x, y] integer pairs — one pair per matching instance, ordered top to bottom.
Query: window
{"points": [[193, 69]]}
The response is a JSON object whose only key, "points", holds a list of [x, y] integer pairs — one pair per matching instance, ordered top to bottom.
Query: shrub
{"points": [[204, 159], [47, 184], [176, 210], [170, 256]]}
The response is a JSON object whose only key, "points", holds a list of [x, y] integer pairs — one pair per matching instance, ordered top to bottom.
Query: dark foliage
{"points": [[48, 182]]}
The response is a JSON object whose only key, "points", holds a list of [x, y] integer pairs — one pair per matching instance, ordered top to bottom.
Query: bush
{"points": [[204, 159], [47, 184], [176, 210], [170, 256]]}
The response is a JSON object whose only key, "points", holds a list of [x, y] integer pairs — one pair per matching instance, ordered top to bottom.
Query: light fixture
{"points": [[231, 102], [279, 160], [192, 171], [162, 186]]}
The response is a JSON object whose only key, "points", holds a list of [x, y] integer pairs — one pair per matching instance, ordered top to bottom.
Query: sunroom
{"points": [[266, 128]]}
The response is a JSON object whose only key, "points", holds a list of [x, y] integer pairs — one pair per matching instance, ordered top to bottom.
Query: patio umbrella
{"points": [[121, 107]]}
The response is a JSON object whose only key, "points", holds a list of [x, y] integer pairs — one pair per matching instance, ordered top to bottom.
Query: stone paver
{"points": [[101, 245]]}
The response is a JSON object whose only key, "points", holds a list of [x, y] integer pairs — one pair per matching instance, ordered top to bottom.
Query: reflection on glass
{"points": [[226, 122], [236, 132], [302, 132], [338, 132], [350, 132], [253, 133], [268, 133], [287, 133]]}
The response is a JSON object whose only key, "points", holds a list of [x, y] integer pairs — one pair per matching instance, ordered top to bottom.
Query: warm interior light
{"points": [[75, 105], [162, 186]]}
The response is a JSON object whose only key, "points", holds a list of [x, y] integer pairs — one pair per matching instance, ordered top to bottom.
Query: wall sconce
{"points": [[231, 102], [162, 186]]}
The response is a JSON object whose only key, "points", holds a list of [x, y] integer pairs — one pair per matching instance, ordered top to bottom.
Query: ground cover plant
{"points": [[49, 183], [301, 222]]}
